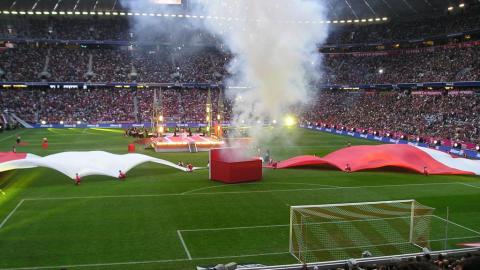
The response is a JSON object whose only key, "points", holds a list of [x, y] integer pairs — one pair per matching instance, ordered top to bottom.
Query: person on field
{"points": [[19, 139], [190, 167], [348, 169], [425, 171], [121, 175], [77, 179]]}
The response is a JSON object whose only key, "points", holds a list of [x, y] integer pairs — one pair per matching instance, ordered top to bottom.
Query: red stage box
{"points": [[231, 165]]}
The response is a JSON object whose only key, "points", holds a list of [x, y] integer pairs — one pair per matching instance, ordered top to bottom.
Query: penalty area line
{"points": [[468, 185], [11, 213], [184, 245]]}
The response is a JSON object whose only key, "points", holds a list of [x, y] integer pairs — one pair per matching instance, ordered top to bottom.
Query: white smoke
{"points": [[275, 48]]}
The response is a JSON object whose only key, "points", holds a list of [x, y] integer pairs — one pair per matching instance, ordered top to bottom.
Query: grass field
{"points": [[161, 218]]}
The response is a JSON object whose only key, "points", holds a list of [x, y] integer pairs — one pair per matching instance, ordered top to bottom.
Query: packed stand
{"points": [[169, 64], [436, 65], [109, 106], [452, 117]]}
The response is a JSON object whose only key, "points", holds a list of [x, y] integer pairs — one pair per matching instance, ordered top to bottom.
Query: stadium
{"points": [[240, 134]]}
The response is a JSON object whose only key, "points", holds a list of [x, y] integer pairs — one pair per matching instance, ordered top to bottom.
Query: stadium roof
{"points": [[339, 9]]}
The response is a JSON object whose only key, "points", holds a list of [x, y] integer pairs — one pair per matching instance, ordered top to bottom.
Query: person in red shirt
{"points": [[190, 167], [347, 168], [425, 171], [121, 175], [77, 179]]}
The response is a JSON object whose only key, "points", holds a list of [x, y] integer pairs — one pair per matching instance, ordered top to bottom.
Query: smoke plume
{"points": [[274, 47]]}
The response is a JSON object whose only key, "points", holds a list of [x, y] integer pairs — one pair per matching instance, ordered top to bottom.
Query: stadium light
{"points": [[462, 5], [450, 8], [381, 71], [290, 121]]}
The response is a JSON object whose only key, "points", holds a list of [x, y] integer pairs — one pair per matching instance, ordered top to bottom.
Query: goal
{"points": [[341, 231]]}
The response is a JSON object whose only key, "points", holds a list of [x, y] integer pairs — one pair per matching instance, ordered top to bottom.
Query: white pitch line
{"points": [[10, 136], [276, 183], [468, 185], [202, 188], [232, 192], [11, 213], [456, 224], [286, 225], [235, 228], [184, 245], [144, 262]]}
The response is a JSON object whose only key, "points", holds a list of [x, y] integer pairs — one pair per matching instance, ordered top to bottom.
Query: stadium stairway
{"points": [[21, 121]]}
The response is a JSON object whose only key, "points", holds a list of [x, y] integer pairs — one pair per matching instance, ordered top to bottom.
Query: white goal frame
{"points": [[293, 208]]}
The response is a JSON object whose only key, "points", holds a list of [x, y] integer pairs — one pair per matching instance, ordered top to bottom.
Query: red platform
{"points": [[181, 143], [232, 165]]}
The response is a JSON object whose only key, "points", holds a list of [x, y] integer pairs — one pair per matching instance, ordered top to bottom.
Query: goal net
{"points": [[341, 231]]}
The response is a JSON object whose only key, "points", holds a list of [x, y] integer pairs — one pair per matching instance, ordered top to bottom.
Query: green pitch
{"points": [[160, 218]]}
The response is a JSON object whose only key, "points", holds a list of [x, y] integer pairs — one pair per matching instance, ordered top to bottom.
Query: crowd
{"points": [[398, 30], [34, 62], [57, 63], [436, 65], [109, 106], [434, 116], [453, 117], [468, 261]]}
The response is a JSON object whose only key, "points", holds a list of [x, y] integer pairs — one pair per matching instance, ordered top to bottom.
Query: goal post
{"points": [[341, 231]]}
